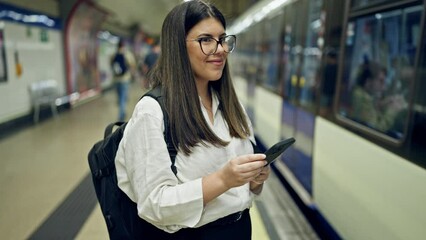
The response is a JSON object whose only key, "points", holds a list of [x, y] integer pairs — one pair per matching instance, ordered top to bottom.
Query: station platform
{"points": [[47, 190]]}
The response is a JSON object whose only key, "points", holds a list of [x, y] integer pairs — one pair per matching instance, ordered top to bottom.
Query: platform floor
{"points": [[46, 190]]}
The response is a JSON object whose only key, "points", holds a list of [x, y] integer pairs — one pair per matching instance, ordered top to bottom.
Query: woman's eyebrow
{"points": [[205, 35], [210, 35]]}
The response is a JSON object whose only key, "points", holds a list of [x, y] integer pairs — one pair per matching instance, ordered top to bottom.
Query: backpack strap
{"points": [[157, 95], [110, 127]]}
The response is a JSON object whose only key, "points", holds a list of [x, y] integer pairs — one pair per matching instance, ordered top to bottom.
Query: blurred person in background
{"points": [[151, 59], [122, 65], [329, 83], [370, 105]]}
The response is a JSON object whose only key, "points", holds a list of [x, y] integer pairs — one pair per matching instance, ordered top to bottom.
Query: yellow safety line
{"points": [[259, 230]]}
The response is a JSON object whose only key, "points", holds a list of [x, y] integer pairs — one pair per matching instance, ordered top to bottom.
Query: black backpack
{"points": [[102, 166]]}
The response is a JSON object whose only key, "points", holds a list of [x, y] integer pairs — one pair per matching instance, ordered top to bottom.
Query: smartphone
{"points": [[278, 148]]}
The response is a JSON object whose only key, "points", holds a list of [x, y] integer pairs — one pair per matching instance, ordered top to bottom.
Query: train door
{"points": [[332, 30], [301, 53], [253, 69], [298, 159]]}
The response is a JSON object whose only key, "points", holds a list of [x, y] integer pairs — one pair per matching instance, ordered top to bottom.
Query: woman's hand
{"points": [[242, 169], [238, 171], [263, 175], [257, 183]]}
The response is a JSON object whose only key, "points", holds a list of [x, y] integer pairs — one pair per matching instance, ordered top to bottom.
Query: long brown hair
{"points": [[174, 74]]}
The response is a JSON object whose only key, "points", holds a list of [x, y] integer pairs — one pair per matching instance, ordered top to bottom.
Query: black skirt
{"points": [[232, 227]]}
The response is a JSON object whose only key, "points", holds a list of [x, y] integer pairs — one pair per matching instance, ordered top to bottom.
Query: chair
{"points": [[43, 93]]}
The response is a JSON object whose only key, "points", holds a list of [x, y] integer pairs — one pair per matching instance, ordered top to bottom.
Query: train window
{"points": [[364, 3], [293, 35], [242, 55], [270, 56], [311, 56], [244, 60], [286, 60], [3, 66], [255, 68], [378, 70], [418, 139]]}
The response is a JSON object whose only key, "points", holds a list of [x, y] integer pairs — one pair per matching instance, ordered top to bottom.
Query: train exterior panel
{"points": [[345, 78], [269, 106], [365, 191]]}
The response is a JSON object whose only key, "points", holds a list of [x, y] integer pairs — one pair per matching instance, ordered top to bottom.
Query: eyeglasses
{"points": [[209, 45]]}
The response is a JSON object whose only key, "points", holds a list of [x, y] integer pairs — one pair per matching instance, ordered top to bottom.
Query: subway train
{"points": [[346, 79]]}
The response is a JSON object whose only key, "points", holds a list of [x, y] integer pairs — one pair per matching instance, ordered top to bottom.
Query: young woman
{"points": [[217, 172]]}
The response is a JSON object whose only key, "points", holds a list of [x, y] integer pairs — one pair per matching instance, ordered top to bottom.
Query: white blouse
{"points": [[169, 201]]}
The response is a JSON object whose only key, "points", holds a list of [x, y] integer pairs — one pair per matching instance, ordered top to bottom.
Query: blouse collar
{"points": [[215, 102]]}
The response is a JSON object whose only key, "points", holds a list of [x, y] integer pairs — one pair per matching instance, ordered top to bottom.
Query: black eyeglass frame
{"points": [[217, 43]]}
